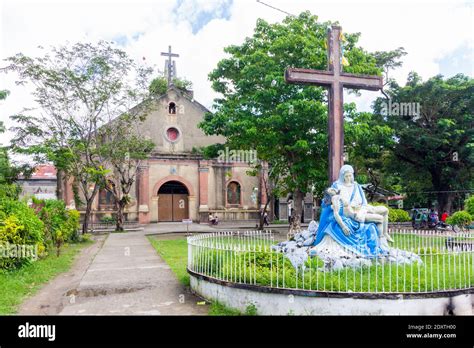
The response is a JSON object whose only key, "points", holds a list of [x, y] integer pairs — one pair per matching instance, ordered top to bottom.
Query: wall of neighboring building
{"points": [[39, 188]]}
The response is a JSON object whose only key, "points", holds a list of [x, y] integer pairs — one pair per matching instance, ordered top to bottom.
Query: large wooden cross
{"points": [[170, 66], [335, 80]]}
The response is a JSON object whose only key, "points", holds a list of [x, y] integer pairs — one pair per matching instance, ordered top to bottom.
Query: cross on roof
{"points": [[170, 65], [335, 80]]}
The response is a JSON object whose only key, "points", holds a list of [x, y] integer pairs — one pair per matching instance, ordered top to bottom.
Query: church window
{"points": [[172, 108], [172, 134], [233, 193], [106, 199]]}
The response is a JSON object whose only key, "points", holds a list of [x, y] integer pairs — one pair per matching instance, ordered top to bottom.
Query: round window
{"points": [[172, 134]]}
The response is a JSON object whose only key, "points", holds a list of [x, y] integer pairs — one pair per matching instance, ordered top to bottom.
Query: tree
{"points": [[159, 85], [78, 88], [286, 124], [432, 148], [123, 150]]}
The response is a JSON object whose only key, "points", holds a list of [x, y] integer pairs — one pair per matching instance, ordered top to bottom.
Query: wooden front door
{"points": [[173, 202], [165, 207], [180, 207]]}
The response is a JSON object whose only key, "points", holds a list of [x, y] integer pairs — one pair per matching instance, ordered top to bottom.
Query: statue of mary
{"points": [[348, 225]]}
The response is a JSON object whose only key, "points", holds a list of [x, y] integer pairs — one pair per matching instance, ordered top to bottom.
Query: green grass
{"points": [[175, 254], [17, 285], [218, 309]]}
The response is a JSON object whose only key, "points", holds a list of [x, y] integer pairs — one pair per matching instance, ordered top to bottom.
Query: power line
{"points": [[275, 8], [453, 191]]}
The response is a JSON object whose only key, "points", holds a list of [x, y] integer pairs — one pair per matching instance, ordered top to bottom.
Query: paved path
{"points": [[128, 277]]}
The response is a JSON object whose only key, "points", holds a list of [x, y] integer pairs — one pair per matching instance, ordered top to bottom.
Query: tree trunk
{"points": [[59, 184], [445, 201], [265, 208], [298, 209], [87, 216], [120, 216]]}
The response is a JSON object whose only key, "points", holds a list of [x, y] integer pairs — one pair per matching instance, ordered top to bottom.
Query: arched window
{"points": [[172, 108], [233, 193], [106, 200]]}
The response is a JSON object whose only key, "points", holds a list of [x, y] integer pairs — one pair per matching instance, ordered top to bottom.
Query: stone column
{"points": [[203, 189], [263, 192], [69, 194], [143, 194]]}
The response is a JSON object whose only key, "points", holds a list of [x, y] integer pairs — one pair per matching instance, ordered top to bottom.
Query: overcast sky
{"points": [[438, 36]]}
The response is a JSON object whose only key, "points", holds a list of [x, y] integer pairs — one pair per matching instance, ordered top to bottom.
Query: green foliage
{"points": [[183, 84], [159, 85], [80, 88], [3, 94], [285, 123], [433, 150], [9, 191], [469, 205], [394, 214], [398, 215], [460, 218], [107, 219], [60, 224], [19, 226], [32, 231], [175, 253], [17, 284], [218, 309], [251, 310]]}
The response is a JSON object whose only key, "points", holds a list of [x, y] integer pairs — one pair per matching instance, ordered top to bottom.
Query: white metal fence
{"points": [[248, 258]]}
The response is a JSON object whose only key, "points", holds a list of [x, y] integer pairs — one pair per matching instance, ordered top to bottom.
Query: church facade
{"points": [[176, 182]]}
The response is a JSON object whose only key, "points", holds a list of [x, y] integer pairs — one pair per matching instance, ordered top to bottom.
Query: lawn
{"points": [[175, 254], [17, 285]]}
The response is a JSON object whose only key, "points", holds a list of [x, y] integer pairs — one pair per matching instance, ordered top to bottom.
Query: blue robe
{"points": [[363, 238]]}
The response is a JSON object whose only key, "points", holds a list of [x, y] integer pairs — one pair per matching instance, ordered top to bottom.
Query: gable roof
{"points": [[188, 96]]}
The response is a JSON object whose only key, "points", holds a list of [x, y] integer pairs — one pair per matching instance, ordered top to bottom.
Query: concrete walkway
{"points": [[128, 277]]}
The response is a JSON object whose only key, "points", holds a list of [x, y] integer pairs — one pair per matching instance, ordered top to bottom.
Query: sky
{"points": [[438, 36]]}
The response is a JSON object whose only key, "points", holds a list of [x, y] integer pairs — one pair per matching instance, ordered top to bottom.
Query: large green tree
{"points": [[79, 88], [285, 123], [433, 149]]}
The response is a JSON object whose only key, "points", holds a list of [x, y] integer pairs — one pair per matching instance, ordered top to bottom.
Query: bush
{"points": [[9, 191], [469, 205], [394, 214], [398, 215], [460, 218], [107, 219], [60, 224], [33, 227], [21, 234]]}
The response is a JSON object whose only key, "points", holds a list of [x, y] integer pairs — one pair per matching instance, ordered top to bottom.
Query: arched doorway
{"points": [[173, 202]]}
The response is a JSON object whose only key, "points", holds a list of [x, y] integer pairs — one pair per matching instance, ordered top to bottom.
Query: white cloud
{"points": [[428, 32]]}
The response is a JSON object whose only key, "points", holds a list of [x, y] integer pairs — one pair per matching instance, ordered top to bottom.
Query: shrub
{"points": [[9, 191], [469, 205], [394, 214], [398, 215], [460, 218], [107, 219], [60, 224], [33, 227], [19, 245]]}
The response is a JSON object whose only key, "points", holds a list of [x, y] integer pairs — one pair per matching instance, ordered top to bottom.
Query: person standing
{"points": [[444, 216]]}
